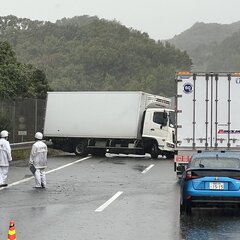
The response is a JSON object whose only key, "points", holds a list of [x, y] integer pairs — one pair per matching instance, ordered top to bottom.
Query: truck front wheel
{"points": [[81, 149], [154, 151]]}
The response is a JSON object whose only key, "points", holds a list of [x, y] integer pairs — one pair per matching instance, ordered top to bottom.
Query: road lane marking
{"points": [[67, 165], [148, 168], [47, 172], [108, 202]]}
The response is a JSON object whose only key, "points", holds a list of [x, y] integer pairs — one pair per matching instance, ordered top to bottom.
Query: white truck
{"points": [[207, 114], [92, 122]]}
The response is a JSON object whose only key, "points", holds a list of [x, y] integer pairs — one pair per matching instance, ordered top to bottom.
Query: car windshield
{"points": [[216, 163]]}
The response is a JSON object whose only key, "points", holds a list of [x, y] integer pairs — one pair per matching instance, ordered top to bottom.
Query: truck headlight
{"points": [[170, 145]]}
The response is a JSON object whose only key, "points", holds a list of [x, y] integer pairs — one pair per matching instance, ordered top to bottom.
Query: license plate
{"points": [[216, 185]]}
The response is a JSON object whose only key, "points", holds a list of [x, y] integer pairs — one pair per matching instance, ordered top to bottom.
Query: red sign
{"points": [[179, 158]]}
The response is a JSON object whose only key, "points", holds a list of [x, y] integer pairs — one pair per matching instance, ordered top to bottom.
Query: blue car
{"points": [[211, 179]]}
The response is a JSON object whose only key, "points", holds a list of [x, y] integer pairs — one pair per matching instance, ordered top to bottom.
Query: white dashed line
{"points": [[148, 168], [108, 202]]}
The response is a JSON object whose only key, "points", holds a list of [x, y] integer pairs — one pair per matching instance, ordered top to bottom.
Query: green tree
{"points": [[87, 53], [17, 79]]}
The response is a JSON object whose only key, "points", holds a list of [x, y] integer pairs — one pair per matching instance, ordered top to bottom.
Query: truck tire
{"points": [[81, 149], [154, 151]]}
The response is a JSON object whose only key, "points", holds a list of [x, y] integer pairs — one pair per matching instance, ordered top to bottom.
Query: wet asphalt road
{"points": [[146, 207]]}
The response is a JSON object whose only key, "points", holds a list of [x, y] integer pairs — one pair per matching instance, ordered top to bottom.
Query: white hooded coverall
{"points": [[5, 158], [38, 158]]}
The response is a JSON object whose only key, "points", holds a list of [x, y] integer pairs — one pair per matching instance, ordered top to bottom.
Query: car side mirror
{"points": [[181, 168]]}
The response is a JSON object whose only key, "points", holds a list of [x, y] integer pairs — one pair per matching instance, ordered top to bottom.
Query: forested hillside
{"points": [[212, 46], [87, 53], [226, 54], [17, 79]]}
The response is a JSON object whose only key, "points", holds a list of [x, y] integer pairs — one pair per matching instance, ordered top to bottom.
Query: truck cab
{"points": [[159, 125]]}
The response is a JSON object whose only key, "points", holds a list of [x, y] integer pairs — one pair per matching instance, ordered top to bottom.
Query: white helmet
{"points": [[4, 133], [39, 135]]}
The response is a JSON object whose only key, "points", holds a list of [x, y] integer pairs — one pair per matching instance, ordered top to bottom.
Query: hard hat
{"points": [[4, 133], [38, 135]]}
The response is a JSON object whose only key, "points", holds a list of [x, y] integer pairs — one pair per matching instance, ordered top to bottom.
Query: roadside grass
{"points": [[22, 154]]}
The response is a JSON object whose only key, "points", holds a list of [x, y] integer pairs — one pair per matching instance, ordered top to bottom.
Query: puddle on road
{"points": [[140, 168], [206, 224]]}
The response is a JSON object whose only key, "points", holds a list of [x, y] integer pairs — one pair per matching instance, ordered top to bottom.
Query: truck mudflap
{"points": [[181, 160]]}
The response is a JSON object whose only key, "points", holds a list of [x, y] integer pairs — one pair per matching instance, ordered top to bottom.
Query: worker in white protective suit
{"points": [[5, 157], [38, 159]]}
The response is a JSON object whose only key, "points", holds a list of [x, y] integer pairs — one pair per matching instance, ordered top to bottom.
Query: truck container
{"points": [[207, 114], [92, 122]]}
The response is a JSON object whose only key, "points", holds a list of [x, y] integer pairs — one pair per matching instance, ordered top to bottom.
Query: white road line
{"points": [[67, 165], [148, 168], [50, 171], [108, 202]]}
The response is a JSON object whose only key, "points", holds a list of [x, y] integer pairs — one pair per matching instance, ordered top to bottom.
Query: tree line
{"points": [[213, 47], [88, 53], [19, 79]]}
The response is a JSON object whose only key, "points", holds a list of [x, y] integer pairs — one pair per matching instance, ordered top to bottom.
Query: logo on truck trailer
{"points": [[187, 88], [222, 131]]}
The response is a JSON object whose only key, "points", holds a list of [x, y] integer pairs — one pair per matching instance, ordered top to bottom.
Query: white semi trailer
{"points": [[207, 114], [95, 123]]}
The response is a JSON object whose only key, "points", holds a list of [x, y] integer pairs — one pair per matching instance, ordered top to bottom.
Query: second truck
{"points": [[207, 114], [103, 122]]}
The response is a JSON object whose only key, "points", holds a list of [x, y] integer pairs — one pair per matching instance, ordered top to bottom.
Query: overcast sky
{"points": [[161, 19]]}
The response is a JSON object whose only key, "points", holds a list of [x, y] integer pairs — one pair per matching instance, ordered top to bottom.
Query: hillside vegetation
{"points": [[212, 46], [87, 53], [18, 79]]}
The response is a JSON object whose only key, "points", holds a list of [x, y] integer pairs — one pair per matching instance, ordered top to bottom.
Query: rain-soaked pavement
{"points": [[147, 207], [211, 224]]}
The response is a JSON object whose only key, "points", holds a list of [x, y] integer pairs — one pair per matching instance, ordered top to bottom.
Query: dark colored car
{"points": [[211, 179]]}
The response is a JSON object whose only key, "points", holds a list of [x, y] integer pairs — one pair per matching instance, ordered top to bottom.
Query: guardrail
{"points": [[24, 145]]}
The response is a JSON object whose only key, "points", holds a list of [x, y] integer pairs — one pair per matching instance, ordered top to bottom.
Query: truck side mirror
{"points": [[165, 115], [165, 119]]}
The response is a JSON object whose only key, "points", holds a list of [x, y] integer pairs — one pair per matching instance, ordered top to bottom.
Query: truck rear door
{"points": [[208, 113]]}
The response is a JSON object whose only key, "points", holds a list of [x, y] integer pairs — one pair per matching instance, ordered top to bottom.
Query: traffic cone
{"points": [[11, 231]]}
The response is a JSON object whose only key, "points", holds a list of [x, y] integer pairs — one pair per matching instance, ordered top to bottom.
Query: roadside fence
{"points": [[22, 118]]}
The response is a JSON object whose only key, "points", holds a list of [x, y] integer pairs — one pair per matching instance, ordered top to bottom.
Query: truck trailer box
{"points": [[207, 107], [208, 111], [95, 114]]}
